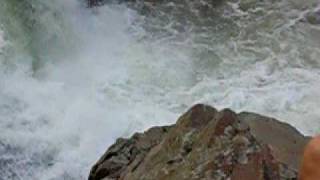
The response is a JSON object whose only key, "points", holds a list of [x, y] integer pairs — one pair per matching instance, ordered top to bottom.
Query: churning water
{"points": [[73, 79]]}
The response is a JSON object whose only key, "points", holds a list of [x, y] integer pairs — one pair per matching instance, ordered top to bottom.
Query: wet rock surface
{"points": [[313, 17], [206, 144]]}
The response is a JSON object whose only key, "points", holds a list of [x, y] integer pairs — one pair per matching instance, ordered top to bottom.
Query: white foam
{"points": [[75, 107]]}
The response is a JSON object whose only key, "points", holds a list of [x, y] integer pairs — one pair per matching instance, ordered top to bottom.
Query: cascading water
{"points": [[73, 79]]}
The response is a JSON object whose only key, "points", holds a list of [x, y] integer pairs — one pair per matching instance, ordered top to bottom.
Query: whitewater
{"points": [[73, 78]]}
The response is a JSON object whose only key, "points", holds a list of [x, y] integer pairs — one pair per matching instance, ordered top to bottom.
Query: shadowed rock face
{"points": [[206, 144]]}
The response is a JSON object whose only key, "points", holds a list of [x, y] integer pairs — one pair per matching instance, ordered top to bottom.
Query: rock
{"points": [[92, 3], [245, 5], [313, 17], [206, 144], [127, 152]]}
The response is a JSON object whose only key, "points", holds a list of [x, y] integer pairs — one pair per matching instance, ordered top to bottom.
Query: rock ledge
{"points": [[206, 144]]}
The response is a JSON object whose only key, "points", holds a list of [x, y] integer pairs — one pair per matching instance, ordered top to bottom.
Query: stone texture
{"points": [[206, 144]]}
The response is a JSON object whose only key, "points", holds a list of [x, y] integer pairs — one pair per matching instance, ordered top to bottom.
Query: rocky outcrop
{"points": [[206, 144]]}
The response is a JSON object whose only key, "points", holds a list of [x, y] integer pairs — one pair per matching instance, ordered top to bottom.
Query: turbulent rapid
{"points": [[73, 78]]}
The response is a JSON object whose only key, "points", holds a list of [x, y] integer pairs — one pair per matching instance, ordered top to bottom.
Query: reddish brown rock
{"points": [[206, 144]]}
